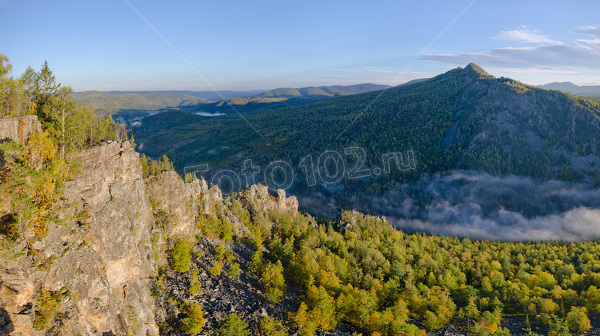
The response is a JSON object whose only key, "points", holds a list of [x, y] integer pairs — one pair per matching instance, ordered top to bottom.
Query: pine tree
{"points": [[28, 80], [45, 88], [145, 166], [274, 282], [194, 322], [234, 326], [271, 327]]}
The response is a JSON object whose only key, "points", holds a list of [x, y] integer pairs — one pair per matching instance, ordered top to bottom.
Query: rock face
{"points": [[18, 128], [257, 198], [180, 200], [96, 261], [92, 273]]}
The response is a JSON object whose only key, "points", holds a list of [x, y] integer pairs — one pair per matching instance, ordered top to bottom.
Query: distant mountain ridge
{"points": [[585, 90], [322, 91], [208, 95], [108, 103], [137, 103], [462, 119]]}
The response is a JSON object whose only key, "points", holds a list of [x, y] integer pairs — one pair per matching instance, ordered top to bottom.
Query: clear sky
{"points": [[191, 45]]}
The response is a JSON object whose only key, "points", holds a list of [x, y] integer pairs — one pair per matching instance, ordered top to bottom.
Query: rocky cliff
{"points": [[18, 128], [94, 264], [92, 273]]}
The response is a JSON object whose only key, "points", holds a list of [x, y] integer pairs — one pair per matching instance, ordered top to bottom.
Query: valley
{"points": [[463, 128], [463, 204]]}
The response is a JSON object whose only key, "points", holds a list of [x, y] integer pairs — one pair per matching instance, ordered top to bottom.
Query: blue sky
{"points": [[191, 45]]}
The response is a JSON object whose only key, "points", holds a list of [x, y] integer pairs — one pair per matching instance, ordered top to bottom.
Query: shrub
{"points": [[181, 255], [215, 270], [234, 271], [194, 281], [274, 282], [46, 305], [578, 321], [194, 322], [234, 326], [271, 327]]}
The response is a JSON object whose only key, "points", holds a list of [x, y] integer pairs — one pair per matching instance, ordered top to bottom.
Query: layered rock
{"points": [[18, 128], [257, 198], [96, 260], [92, 273]]}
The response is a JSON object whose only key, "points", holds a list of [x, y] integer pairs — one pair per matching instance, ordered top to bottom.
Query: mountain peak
{"points": [[472, 67]]}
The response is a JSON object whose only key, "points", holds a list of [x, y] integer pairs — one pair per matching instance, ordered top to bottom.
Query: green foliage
{"points": [[12, 94], [109, 103], [145, 166], [154, 168], [566, 173], [189, 177], [32, 179], [215, 226], [220, 252], [181, 255], [256, 264], [216, 268], [234, 271], [376, 278], [274, 282], [195, 284], [45, 308], [302, 319], [578, 321], [194, 322], [527, 324], [234, 326], [271, 327], [558, 327]]}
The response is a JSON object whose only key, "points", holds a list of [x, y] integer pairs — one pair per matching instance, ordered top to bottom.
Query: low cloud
{"points": [[478, 205], [481, 206]]}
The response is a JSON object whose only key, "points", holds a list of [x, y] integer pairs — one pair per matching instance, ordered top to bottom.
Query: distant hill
{"points": [[415, 81], [322, 91], [588, 91], [208, 95], [286, 97], [108, 103], [462, 120]]}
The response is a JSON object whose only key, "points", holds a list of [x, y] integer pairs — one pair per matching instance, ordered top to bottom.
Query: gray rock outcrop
{"points": [[19, 128], [96, 259]]}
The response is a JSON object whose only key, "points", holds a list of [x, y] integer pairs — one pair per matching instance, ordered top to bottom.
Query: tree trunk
{"points": [[62, 142]]}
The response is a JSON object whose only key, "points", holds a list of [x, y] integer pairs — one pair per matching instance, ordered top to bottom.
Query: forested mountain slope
{"points": [[322, 91], [108, 103], [463, 119]]}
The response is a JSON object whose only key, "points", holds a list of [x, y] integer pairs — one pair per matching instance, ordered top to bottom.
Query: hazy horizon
{"points": [[149, 46]]}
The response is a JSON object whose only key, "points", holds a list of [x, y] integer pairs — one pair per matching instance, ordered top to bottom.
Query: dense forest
{"points": [[106, 104], [439, 119], [462, 120], [357, 272], [361, 272]]}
